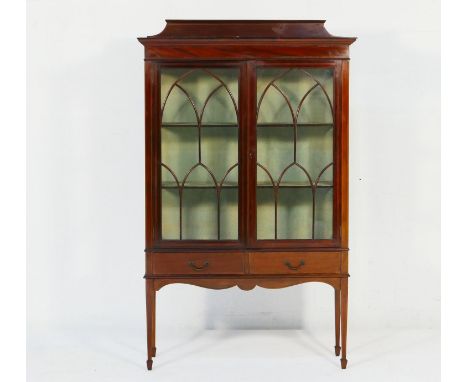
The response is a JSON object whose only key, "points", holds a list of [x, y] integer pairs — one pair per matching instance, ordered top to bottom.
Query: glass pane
{"points": [[199, 153], [294, 153]]}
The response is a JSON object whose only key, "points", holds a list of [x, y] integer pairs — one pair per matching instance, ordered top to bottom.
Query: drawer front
{"points": [[294, 262], [198, 263]]}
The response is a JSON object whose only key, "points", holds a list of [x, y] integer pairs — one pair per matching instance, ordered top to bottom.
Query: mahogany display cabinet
{"points": [[246, 159]]}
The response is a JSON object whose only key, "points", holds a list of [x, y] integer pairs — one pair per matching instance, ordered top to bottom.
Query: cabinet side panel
{"points": [[152, 152], [156, 152], [344, 152], [148, 154], [151, 158], [344, 262]]}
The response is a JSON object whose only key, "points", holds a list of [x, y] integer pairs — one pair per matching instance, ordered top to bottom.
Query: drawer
{"points": [[294, 262], [174, 263]]}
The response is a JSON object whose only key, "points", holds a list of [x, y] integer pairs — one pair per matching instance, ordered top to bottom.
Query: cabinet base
{"points": [[247, 282]]}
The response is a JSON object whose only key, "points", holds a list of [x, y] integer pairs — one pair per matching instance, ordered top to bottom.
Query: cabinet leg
{"points": [[344, 320], [150, 322], [337, 322], [153, 334]]}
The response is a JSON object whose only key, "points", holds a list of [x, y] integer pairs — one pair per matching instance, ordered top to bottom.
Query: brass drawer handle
{"points": [[195, 268], [293, 268]]}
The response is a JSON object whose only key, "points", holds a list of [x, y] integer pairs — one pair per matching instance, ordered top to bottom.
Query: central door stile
{"points": [[243, 153], [251, 154]]}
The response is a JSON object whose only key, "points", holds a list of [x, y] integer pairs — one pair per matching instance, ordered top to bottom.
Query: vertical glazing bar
{"points": [[294, 120], [295, 140], [199, 142], [179, 189], [276, 192], [218, 197], [180, 211], [313, 212]]}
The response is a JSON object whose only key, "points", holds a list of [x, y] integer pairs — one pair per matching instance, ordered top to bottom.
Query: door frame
{"points": [[247, 103], [340, 157], [155, 242]]}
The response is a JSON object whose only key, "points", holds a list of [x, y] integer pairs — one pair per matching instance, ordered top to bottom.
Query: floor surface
{"points": [[246, 355]]}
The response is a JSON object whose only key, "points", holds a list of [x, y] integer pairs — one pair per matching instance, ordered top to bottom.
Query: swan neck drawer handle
{"points": [[195, 268], [294, 268]]}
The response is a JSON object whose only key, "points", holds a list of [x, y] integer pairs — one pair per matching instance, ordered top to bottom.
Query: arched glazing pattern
{"points": [[295, 120], [199, 153]]}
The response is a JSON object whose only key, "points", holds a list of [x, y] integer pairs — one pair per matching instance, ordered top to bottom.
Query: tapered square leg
{"points": [[344, 320], [150, 322], [337, 322], [153, 334], [149, 364]]}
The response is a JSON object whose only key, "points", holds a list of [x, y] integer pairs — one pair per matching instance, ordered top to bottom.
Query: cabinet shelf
{"points": [[176, 125], [203, 185]]}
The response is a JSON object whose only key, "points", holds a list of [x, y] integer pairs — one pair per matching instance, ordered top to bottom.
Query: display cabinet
{"points": [[247, 159]]}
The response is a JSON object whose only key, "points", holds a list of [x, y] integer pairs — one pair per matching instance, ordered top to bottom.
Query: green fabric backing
{"points": [[275, 151], [219, 152]]}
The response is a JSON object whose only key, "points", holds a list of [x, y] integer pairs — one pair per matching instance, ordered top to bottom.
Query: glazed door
{"points": [[199, 154], [296, 162]]}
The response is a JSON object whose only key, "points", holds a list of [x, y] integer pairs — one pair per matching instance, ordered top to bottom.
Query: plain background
{"points": [[86, 170]]}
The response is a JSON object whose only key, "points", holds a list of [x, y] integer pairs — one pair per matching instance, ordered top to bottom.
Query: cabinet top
{"points": [[246, 29]]}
